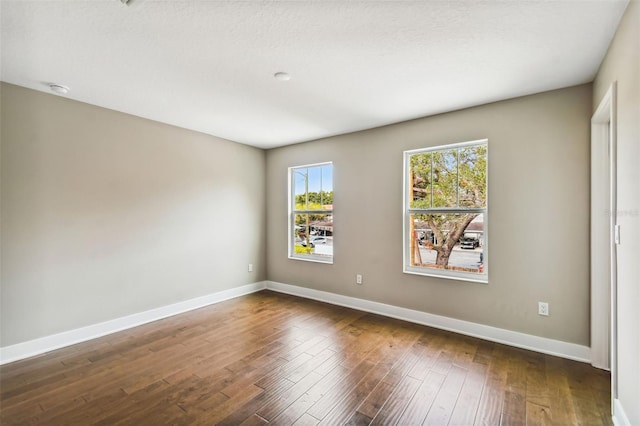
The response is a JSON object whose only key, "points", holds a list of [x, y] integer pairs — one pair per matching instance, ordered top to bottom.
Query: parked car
{"points": [[319, 240], [470, 243]]}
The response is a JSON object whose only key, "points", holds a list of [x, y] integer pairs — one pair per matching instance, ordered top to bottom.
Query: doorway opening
{"points": [[604, 237]]}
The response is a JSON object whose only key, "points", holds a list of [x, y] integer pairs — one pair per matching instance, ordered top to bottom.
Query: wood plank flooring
{"points": [[279, 359]]}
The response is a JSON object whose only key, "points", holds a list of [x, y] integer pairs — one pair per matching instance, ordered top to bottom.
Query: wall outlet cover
{"points": [[543, 308]]}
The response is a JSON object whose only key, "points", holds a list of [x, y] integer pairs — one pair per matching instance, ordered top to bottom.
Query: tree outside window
{"points": [[446, 211]]}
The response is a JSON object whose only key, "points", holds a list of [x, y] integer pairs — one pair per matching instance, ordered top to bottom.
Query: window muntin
{"points": [[311, 212], [445, 232]]}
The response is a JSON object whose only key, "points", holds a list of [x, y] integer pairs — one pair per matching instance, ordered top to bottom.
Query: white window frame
{"points": [[293, 212], [482, 277]]}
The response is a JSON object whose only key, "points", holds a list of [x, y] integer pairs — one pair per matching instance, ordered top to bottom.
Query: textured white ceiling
{"points": [[209, 65]]}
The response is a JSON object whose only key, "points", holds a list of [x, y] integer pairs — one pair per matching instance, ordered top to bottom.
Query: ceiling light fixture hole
{"points": [[282, 76], [58, 88]]}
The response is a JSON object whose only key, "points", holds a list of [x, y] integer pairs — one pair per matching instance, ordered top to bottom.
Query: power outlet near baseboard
{"points": [[543, 309]]}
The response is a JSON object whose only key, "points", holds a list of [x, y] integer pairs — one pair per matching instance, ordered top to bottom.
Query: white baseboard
{"points": [[499, 335], [71, 337], [512, 338], [619, 416]]}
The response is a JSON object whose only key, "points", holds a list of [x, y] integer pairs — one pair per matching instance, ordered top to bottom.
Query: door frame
{"points": [[603, 237]]}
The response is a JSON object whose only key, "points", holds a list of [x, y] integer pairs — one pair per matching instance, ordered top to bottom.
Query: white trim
{"points": [[448, 146], [407, 211], [311, 258], [449, 275], [67, 338], [513, 338], [604, 340], [619, 416]]}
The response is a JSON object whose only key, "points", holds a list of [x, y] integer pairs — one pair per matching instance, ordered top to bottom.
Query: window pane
{"points": [[473, 176], [445, 178], [299, 179], [315, 179], [420, 181], [313, 187], [326, 194], [313, 234], [447, 241]]}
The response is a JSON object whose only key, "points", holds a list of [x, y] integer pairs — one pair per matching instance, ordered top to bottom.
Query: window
{"points": [[445, 211], [311, 212]]}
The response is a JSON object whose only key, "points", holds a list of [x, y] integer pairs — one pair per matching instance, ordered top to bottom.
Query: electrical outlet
{"points": [[251, 267], [359, 279], [543, 308]]}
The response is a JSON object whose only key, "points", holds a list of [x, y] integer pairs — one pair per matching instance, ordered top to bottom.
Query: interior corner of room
{"points": [[109, 220]]}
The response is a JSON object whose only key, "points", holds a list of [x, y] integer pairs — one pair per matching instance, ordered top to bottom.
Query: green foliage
{"points": [[473, 176], [454, 178], [317, 200], [310, 206], [303, 250]]}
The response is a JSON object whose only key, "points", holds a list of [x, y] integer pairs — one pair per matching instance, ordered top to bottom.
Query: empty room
{"points": [[319, 212]]}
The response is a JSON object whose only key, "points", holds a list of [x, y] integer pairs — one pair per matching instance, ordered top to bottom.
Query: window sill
{"points": [[310, 258], [457, 276]]}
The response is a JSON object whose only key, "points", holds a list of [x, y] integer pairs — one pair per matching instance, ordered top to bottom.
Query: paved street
{"points": [[459, 257]]}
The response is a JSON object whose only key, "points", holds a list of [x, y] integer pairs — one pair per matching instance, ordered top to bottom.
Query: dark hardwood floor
{"points": [[273, 358]]}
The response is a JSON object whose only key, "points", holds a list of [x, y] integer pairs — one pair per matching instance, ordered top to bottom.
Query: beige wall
{"points": [[622, 64], [105, 214], [538, 215]]}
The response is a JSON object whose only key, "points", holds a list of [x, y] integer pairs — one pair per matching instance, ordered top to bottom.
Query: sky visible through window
{"points": [[320, 178]]}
